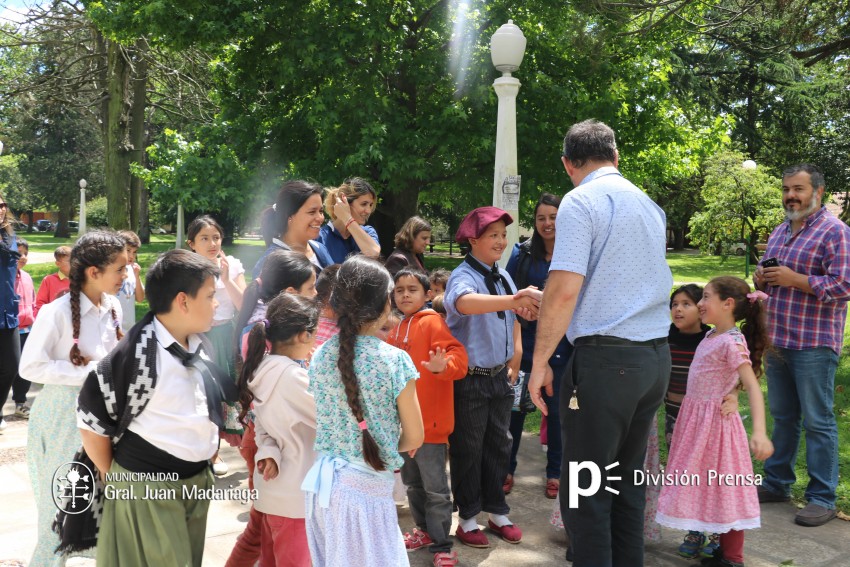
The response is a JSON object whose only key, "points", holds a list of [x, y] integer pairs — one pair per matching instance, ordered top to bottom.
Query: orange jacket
{"points": [[422, 332]]}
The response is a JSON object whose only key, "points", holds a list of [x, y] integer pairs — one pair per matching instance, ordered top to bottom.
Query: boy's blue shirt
{"points": [[489, 340]]}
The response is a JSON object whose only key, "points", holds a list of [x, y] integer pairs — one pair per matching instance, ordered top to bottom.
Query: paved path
{"points": [[779, 542]]}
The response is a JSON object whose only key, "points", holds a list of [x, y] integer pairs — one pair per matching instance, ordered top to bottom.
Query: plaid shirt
{"points": [[821, 248]]}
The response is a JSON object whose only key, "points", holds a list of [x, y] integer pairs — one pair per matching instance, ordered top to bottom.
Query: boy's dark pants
{"points": [[620, 385], [480, 446], [424, 475]]}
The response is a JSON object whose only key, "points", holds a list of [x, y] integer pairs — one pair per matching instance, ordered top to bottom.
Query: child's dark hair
{"points": [[290, 199], [199, 224], [131, 238], [23, 244], [98, 249], [538, 249], [282, 269], [173, 272], [414, 273], [439, 276], [325, 284], [692, 290], [360, 297], [287, 316], [754, 327]]}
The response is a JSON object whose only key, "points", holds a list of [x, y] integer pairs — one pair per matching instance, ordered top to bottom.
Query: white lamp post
{"points": [[507, 47], [1, 148], [751, 165], [82, 227], [180, 236]]}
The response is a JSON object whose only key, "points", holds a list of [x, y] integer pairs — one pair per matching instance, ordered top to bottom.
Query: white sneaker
{"points": [[3, 424], [220, 468]]}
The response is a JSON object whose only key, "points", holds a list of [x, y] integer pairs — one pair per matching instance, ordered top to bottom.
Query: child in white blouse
{"points": [[67, 340]]}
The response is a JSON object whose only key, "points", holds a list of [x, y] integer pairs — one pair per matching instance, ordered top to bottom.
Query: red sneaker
{"points": [[552, 487], [509, 533], [474, 538], [417, 540], [445, 559]]}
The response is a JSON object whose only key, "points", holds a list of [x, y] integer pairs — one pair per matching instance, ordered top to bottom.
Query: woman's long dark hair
{"points": [[290, 199], [97, 248], [538, 249], [282, 269], [360, 297], [287, 316], [754, 327]]}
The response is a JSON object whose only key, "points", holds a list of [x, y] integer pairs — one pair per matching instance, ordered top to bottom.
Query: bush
{"points": [[96, 213]]}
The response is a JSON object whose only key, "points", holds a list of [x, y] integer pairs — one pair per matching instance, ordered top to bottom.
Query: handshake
{"points": [[527, 303]]}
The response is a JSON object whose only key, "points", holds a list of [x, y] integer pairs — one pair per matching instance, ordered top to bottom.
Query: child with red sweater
{"points": [[55, 285], [440, 360]]}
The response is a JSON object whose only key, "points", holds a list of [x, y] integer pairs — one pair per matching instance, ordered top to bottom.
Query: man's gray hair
{"points": [[590, 140], [814, 172]]}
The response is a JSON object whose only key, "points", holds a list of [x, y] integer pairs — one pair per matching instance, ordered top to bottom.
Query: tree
{"points": [[400, 92], [740, 205]]}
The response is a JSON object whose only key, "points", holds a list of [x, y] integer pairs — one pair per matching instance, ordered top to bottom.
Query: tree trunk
{"points": [[118, 147], [395, 209], [62, 222], [678, 238]]}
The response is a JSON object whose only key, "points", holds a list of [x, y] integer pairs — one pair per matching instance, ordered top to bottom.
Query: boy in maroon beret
{"points": [[481, 304]]}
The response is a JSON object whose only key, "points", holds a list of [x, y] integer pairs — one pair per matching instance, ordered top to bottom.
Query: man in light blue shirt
{"points": [[608, 290]]}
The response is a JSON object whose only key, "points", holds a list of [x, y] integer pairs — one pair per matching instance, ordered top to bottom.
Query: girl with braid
{"points": [[67, 340], [367, 413]]}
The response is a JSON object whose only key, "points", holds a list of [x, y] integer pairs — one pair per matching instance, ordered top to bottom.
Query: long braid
{"points": [[77, 275], [360, 297], [348, 330]]}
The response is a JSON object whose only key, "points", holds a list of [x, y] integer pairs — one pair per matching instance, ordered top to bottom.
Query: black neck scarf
{"points": [[490, 278], [217, 385]]}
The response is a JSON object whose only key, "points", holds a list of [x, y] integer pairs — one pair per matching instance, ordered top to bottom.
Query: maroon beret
{"points": [[474, 224]]}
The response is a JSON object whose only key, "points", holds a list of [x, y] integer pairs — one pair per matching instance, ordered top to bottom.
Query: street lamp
{"points": [[507, 47], [749, 165], [82, 227]]}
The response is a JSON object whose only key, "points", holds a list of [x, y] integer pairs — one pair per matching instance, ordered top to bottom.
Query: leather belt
{"points": [[478, 371]]}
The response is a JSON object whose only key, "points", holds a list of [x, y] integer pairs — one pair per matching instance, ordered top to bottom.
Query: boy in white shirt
{"points": [[153, 409]]}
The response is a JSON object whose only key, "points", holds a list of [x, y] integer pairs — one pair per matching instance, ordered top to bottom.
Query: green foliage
{"points": [[204, 177], [740, 204], [96, 213]]}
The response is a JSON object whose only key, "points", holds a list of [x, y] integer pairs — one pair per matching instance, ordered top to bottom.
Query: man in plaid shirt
{"points": [[806, 311]]}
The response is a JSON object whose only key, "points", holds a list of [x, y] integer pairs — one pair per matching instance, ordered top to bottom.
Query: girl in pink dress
{"points": [[709, 483]]}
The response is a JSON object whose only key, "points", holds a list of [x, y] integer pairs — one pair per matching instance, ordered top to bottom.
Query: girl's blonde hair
{"points": [[352, 188]]}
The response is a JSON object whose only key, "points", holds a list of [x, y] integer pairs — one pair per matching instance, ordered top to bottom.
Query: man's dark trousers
{"points": [[618, 386]]}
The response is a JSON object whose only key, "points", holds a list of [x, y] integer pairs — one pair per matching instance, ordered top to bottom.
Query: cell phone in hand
{"points": [[770, 263]]}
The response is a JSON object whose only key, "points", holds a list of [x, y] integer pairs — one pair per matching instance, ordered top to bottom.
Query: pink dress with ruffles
{"points": [[705, 442]]}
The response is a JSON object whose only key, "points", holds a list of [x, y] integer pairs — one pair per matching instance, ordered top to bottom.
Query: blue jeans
{"points": [[800, 390]]}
